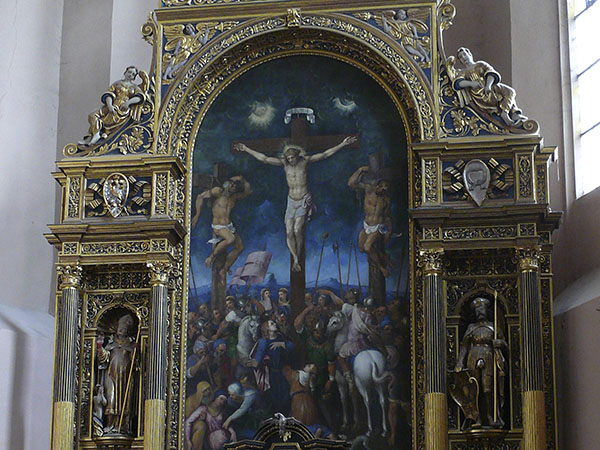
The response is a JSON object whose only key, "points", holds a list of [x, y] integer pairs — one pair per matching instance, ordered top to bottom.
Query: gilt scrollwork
{"points": [[446, 13], [525, 177], [430, 180], [541, 184], [160, 193], [73, 198], [527, 229], [470, 233], [115, 248], [85, 387]]}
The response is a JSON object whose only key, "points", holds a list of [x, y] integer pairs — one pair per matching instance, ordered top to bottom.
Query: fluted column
{"points": [[532, 368], [156, 389], [436, 403], [63, 408]]}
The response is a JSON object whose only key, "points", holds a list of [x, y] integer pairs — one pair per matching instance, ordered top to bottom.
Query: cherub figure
{"points": [[405, 26], [184, 40]]}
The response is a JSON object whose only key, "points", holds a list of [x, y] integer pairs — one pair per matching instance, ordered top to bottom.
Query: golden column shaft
{"points": [[532, 365], [156, 389], [436, 403], [63, 409]]}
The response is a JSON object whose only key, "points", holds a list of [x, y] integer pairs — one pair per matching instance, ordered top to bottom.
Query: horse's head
{"points": [[336, 322], [253, 327]]}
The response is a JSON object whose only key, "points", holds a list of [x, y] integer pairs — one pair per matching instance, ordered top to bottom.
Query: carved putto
{"points": [[405, 26], [121, 102]]}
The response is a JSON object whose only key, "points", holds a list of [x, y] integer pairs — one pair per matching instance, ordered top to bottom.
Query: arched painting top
{"points": [[337, 36]]}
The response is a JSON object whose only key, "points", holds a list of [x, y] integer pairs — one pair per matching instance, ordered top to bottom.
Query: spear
{"points": [[324, 236], [336, 250], [349, 264], [357, 270], [193, 281], [124, 405]]}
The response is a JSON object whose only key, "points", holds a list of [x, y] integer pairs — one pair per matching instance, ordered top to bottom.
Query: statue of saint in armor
{"points": [[480, 370]]}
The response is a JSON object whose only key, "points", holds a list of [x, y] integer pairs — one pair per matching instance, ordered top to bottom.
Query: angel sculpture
{"points": [[405, 25], [184, 40], [478, 84], [123, 100]]}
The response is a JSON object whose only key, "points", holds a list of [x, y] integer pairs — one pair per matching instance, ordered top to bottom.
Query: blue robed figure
{"points": [[270, 356]]}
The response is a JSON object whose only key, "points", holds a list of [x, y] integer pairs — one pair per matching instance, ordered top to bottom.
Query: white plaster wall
{"points": [[128, 47], [30, 65], [85, 66], [29, 90], [26, 378]]}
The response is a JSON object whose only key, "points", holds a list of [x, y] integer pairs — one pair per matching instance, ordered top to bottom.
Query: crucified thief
{"points": [[224, 199], [300, 205], [378, 216]]}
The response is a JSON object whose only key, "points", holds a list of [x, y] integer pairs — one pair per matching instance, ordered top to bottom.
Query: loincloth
{"points": [[300, 208], [370, 229], [218, 239]]}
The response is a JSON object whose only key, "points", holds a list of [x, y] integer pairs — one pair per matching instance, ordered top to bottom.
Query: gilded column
{"points": [[532, 368], [65, 370], [156, 389], [436, 403]]}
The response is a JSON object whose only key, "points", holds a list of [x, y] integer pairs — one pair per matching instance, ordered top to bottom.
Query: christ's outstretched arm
{"points": [[333, 150], [258, 155]]}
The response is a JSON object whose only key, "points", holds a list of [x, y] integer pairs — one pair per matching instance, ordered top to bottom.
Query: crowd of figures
{"points": [[341, 360]]}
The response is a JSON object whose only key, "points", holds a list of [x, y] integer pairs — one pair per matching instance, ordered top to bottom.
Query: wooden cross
{"points": [[297, 117], [377, 170], [204, 182]]}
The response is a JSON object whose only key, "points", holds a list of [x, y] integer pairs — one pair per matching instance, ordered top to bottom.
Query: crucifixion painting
{"points": [[298, 257]]}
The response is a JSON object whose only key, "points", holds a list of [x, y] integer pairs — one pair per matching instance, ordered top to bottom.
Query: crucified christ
{"points": [[224, 199], [299, 204]]}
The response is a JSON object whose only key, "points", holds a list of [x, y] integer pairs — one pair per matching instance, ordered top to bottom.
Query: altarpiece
{"points": [[305, 217]]}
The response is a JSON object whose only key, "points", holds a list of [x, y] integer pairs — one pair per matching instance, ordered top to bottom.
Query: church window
{"points": [[585, 68]]}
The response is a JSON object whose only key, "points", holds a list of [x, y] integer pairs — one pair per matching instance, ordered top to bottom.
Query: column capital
{"points": [[528, 258], [432, 260], [159, 272], [69, 275]]}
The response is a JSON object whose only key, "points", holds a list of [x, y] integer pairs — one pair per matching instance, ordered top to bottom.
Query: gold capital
{"points": [[528, 259], [432, 260], [159, 272], [69, 275]]}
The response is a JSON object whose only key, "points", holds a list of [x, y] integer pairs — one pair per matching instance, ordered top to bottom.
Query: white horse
{"points": [[338, 326], [247, 337], [369, 374]]}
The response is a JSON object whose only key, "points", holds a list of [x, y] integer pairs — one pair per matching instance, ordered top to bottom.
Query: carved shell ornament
{"points": [[115, 192]]}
